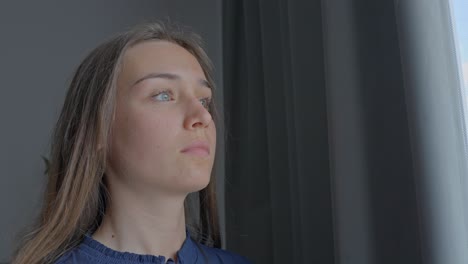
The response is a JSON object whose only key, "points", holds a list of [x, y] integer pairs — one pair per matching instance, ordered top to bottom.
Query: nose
{"points": [[197, 115]]}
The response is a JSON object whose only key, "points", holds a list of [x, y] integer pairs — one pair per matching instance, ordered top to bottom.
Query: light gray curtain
{"points": [[434, 104], [345, 132]]}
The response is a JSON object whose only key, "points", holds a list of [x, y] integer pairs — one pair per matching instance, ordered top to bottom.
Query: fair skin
{"points": [[148, 173]]}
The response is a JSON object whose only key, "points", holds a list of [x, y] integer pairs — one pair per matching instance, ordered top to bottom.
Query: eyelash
{"points": [[208, 99]]}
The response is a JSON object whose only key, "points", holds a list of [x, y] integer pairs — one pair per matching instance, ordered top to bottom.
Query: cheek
{"points": [[213, 134], [149, 136], [143, 137]]}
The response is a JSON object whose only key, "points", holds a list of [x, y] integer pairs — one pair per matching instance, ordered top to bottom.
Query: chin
{"points": [[195, 182], [200, 185], [198, 188]]}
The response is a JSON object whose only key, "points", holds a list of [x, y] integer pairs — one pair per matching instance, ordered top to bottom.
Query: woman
{"points": [[135, 137]]}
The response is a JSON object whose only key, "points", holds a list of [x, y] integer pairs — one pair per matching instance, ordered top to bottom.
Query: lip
{"points": [[197, 148]]}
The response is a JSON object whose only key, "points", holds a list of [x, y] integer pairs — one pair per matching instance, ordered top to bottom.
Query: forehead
{"points": [[158, 56]]}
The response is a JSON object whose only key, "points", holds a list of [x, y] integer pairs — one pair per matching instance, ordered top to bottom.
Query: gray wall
{"points": [[41, 44]]}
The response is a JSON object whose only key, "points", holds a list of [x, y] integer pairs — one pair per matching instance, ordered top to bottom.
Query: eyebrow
{"points": [[169, 76]]}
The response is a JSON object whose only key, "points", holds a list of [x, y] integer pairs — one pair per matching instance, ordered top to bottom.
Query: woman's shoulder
{"points": [[73, 256], [224, 256]]}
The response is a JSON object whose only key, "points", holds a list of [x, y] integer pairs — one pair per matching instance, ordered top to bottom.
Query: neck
{"points": [[143, 224]]}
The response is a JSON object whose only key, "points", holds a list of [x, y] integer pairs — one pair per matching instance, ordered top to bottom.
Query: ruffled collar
{"points": [[188, 251]]}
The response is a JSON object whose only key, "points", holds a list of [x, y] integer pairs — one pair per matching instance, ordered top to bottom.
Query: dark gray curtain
{"points": [[344, 132], [278, 200]]}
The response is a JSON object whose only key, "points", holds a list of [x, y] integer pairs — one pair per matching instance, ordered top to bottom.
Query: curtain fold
{"points": [[437, 128], [329, 153], [278, 200], [375, 201]]}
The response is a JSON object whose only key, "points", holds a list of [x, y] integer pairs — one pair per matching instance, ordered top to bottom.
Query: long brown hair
{"points": [[76, 195]]}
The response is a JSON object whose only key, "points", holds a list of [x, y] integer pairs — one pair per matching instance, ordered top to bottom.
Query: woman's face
{"points": [[161, 110]]}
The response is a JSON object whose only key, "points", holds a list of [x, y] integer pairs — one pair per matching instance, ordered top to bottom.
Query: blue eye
{"points": [[163, 96], [206, 103]]}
